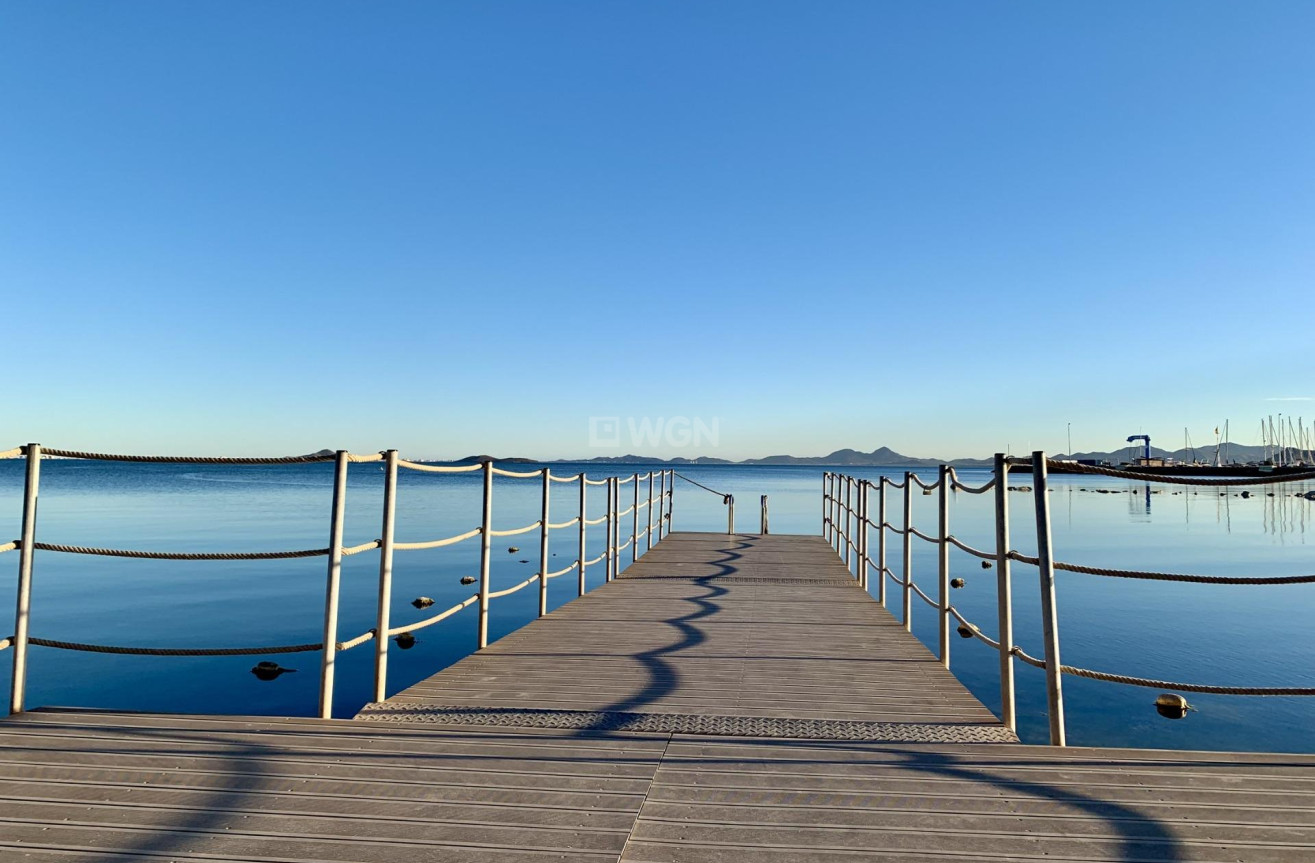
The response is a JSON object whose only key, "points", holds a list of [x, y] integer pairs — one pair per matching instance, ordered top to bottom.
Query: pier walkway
{"points": [[729, 698]]}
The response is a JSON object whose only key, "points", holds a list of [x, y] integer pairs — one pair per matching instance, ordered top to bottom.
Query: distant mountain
{"points": [[887, 457]]}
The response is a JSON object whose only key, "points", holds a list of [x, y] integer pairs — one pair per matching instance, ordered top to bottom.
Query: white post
{"points": [[584, 488], [671, 501], [826, 503], [662, 505], [730, 513], [648, 516], [849, 519], [634, 523], [764, 523], [863, 533], [881, 540], [543, 542], [908, 551], [609, 557], [485, 558], [943, 569], [331, 588], [1003, 593], [23, 611], [382, 615], [1049, 615]]}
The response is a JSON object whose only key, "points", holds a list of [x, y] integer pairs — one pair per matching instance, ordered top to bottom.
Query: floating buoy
{"points": [[926, 491], [1246, 494], [512, 549], [522, 561], [986, 564], [467, 579], [957, 582], [422, 602], [965, 630], [405, 640], [269, 670], [1172, 706]]}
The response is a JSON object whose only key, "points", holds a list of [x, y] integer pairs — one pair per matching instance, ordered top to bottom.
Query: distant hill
{"points": [[886, 457]]}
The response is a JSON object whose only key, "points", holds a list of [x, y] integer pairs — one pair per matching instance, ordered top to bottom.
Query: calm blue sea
{"points": [[1211, 634]]}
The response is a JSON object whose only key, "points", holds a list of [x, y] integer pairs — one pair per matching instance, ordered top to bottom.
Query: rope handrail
{"points": [[14, 453], [190, 459], [439, 468], [497, 471], [572, 478], [1180, 480], [589, 481], [623, 481], [893, 484], [700, 485], [928, 486], [980, 489], [626, 511], [599, 520], [557, 525], [516, 531], [901, 531], [920, 535], [437, 543], [10, 546], [365, 546], [621, 548], [975, 552], [170, 555], [594, 560], [574, 564], [1168, 576], [497, 593], [925, 598], [437, 618], [976, 631], [6, 642], [197, 651], [1163, 684]]}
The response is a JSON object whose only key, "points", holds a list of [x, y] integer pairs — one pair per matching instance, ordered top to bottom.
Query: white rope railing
{"points": [[841, 514], [437, 543], [336, 551]]}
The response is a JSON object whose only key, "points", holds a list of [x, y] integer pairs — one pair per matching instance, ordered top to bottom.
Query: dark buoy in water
{"points": [[512, 549], [522, 561], [986, 564], [467, 579], [957, 582], [422, 602], [965, 631], [405, 640], [269, 670], [1172, 706]]}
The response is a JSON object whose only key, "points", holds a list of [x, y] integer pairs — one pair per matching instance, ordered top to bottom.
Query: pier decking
{"points": [[729, 698]]}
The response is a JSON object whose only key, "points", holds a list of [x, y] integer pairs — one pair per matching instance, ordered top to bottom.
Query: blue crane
{"points": [[1142, 437]]}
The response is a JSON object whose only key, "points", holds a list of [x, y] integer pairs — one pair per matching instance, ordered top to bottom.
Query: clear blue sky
{"points": [[456, 227]]}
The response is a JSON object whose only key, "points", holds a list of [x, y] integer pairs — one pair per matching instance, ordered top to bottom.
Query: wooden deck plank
{"points": [[733, 633]]}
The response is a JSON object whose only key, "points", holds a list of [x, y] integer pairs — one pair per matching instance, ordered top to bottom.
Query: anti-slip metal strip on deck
{"points": [[679, 723]]}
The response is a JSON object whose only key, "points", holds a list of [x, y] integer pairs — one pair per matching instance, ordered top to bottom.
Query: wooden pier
{"points": [[728, 698]]}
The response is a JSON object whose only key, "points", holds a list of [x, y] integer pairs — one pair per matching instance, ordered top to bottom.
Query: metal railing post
{"points": [[584, 490], [671, 501], [662, 504], [826, 504], [730, 513], [648, 515], [849, 519], [634, 524], [764, 530], [863, 533], [881, 540], [543, 542], [908, 551], [610, 553], [485, 558], [943, 564], [331, 587], [1003, 593], [23, 609], [1049, 614], [382, 619]]}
